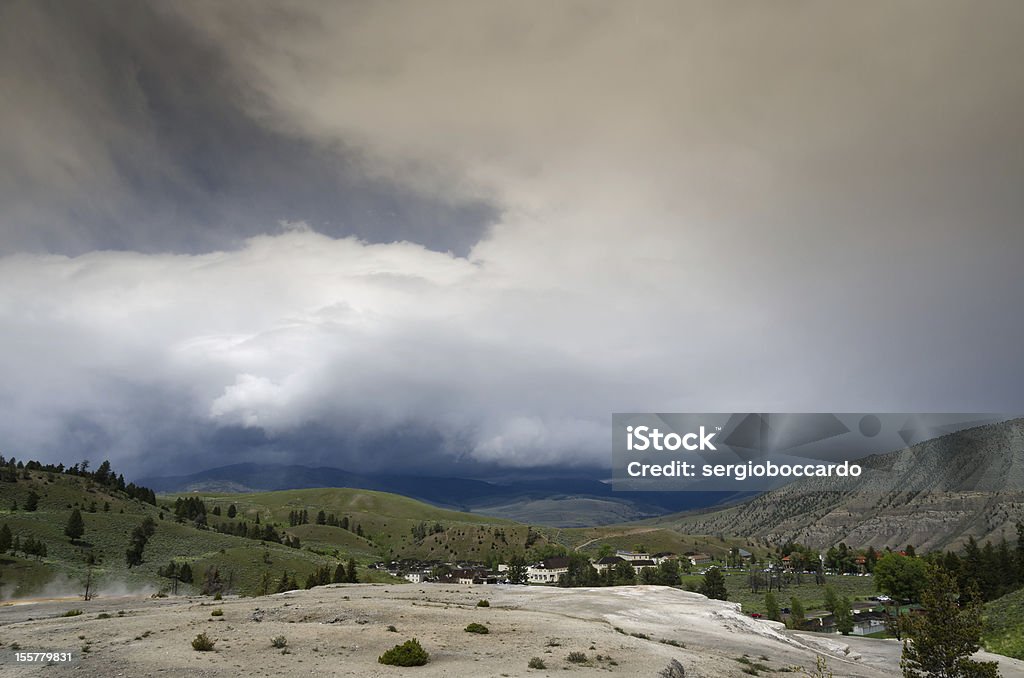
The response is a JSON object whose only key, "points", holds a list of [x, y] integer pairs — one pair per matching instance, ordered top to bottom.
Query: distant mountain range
{"points": [[934, 495], [555, 501]]}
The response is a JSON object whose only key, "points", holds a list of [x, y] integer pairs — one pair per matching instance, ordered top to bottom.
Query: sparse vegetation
{"points": [[202, 643], [409, 653], [577, 658], [750, 667], [673, 670], [820, 670]]}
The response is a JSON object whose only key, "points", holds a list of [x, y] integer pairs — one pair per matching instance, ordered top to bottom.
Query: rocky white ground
{"points": [[341, 630]]}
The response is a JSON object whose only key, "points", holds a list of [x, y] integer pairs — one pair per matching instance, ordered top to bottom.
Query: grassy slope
{"points": [[386, 519], [107, 535], [1004, 619]]}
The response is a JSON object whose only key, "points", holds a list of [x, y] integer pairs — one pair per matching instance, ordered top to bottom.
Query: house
{"points": [[744, 554], [661, 557], [699, 558], [602, 564], [641, 564], [548, 571], [464, 576], [417, 577], [865, 623]]}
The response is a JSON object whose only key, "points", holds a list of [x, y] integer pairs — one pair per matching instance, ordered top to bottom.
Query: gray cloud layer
{"points": [[652, 207]]}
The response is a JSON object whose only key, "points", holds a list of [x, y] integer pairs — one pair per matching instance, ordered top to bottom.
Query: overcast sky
{"points": [[460, 235]]}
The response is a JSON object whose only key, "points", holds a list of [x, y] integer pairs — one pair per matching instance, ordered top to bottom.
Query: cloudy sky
{"points": [[459, 235]]}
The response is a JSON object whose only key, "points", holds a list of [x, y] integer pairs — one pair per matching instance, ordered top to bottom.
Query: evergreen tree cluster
{"points": [[11, 470], [192, 509], [421, 530], [258, 532], [139, 538], [29, 546], [179, 571]]}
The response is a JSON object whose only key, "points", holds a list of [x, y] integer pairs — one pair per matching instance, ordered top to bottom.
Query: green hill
{"points": [[110, 516], [387, 523], [381, 526], [1004, 625]]}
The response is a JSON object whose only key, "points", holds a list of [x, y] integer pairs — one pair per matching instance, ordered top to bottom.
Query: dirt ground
{"points": [[340, 630]]}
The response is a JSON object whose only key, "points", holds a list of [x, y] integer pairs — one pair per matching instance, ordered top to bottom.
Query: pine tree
{"points": [[32, 501], [232, 511], [75, 527], [5, 539], [1020, 553], [340, 575], [353, 577], [713, 585], [831, 600], [771, 606], [796, 613], [843, 616], [941, 641]]}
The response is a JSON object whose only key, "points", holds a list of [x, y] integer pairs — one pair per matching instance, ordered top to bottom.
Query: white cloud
{"points": [[703, 208]]}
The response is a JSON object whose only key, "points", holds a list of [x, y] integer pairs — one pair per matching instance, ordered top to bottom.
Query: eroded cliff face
{"points": [[934, 495]]}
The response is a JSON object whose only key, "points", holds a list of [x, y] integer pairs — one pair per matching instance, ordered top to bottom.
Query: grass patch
{"points": [[751, 667]]}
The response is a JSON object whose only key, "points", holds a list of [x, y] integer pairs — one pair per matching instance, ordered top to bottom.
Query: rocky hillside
{"points": [[934, 495]]}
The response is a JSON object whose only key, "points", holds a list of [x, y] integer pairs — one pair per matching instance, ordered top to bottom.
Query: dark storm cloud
{"points": [[125, 129], [686, 207]]}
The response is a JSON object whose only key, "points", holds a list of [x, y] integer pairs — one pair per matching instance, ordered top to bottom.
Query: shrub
{"points": [[217, 596], [483, 603], [72, 613], [217, 613], [103, 615], [477, 628], [392, 629], [278, 642], [202, 643], [409, 653], [577, 657], [536, 663], [673, 670]]}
